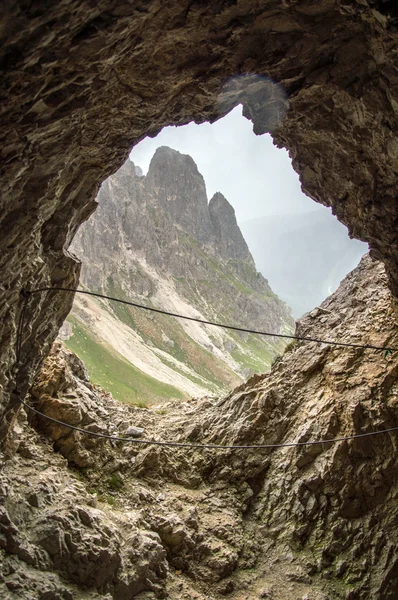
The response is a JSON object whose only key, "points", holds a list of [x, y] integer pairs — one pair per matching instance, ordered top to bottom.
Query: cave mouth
{"points": [[87, 99], [299, 246]]}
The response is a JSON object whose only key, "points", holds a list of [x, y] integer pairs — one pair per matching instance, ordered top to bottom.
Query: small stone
{"points": [[134, 431], [93, 501], [226, 587], [266, 593]]}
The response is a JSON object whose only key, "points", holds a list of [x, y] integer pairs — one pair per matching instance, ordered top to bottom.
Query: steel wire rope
{"points": [[204, 322], [170, 444]]}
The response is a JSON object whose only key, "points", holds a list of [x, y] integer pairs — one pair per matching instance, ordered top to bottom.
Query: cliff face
{"points": [[180, 192], [157, 240], [314, 522]]}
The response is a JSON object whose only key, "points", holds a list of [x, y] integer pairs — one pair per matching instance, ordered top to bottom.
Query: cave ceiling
{"points": [[83, 81]]}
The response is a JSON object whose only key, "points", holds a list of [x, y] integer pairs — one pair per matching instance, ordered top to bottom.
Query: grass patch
{"points": [[255, 353], [113, 372], [115, 482]]}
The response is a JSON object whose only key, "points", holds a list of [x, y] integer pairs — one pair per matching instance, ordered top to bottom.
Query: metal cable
{"points": [[224, 326], [170, 444]]}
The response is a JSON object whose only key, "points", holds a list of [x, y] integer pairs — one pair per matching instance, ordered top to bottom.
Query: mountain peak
{"points": [[172, 159], [174, 180], [219, 202], [159, 238], [231, 244]]}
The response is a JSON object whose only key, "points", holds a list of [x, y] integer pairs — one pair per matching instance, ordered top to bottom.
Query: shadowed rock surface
{"points": [[82, 83], [316, 522]]}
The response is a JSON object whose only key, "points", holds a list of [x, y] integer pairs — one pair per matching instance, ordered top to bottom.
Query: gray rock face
{"points": [[179, 191], [157, 240], [230, 242], [56, 544]]}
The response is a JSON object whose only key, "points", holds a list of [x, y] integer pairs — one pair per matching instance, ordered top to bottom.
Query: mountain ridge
{"points": [[158, 240]]}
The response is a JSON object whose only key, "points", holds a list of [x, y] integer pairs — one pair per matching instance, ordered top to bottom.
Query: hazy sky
{"points": [[256, 177], [259, 181]]}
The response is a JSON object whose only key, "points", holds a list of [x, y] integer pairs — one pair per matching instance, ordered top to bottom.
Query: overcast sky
{"points": [[256, 177], [259, 181]]}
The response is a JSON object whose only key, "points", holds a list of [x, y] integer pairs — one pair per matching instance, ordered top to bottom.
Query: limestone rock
{"points": [[180, 190], [230, 242], [63, 392], [134, 431], [54, 545]]}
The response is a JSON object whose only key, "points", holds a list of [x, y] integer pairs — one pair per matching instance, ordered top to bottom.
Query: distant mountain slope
{"points": [[158, 241], [304, 256]]}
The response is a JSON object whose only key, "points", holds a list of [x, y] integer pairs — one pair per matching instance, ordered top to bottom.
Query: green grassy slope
{"points": [[167, 334], [113, 372]]}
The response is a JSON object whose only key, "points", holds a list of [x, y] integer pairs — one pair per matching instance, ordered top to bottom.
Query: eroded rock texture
{"points": [[82, 82], [316, 522]]}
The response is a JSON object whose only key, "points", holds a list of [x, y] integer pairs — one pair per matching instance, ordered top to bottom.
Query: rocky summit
{"points": [[158, 241], [83, 517]]}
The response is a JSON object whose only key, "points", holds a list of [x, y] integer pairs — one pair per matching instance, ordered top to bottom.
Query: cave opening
{"points": [[84, 81], [190, 180]]}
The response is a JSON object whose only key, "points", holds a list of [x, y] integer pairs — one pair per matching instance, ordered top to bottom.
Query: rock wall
{"points": [[81, 83], [314, 522]]}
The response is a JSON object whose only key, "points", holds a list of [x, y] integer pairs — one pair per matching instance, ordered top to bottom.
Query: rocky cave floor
{"points": [[82, 517]]}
